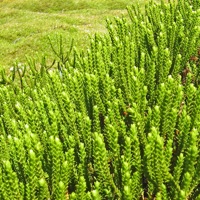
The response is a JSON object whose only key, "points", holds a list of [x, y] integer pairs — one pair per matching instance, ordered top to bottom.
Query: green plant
{"points": [[120, 121]]}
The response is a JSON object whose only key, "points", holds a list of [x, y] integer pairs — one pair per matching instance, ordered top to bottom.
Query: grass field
{"points": [[26, 24]]}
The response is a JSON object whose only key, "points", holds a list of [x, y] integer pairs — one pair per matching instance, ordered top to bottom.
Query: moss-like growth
{"points": [[120, 121]]}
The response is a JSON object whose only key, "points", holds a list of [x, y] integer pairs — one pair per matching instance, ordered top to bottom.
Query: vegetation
{"points": [[25, 25], [118, 121]]}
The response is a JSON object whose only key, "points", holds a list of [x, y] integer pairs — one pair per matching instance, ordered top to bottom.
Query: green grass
{"points": [[26, 24]]}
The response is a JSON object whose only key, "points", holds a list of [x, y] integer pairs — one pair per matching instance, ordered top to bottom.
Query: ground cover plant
{"points": [[118, 121]]}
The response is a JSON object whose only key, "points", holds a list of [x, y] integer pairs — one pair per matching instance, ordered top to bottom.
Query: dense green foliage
{"points": [[120, 121]]}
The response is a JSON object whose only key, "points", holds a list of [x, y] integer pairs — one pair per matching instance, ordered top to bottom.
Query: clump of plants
{"points": [[120, 121]]}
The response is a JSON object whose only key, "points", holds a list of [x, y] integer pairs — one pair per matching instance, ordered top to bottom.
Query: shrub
{"points": [[120, 121]]}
